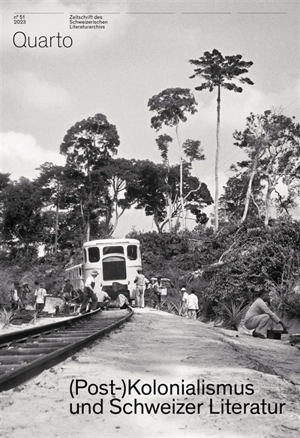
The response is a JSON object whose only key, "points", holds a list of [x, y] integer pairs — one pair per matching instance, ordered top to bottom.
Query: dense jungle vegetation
{"points": [[228, 262]]}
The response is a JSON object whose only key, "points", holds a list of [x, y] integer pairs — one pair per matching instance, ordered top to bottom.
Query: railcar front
{"points": [[116, 261]]}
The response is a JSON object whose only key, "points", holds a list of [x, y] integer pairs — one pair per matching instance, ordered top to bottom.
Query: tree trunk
{"points": [[217, 161], [181, 180], [249, 190], [169, 200], [267, 203], [169, 205], [56, 221], [84, 223], [158, 225], [88, 228], [56, 229]]}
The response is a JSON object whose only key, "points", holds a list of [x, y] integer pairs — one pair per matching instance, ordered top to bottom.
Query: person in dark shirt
{"points": [[157, 287], [68, 288], [24, 294], [68, 295]]}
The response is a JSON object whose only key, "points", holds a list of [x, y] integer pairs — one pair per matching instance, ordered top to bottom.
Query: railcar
{"points": [[115, 260], [75, 275]]}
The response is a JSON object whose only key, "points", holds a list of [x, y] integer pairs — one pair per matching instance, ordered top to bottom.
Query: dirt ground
{"points": [[196, 381]]}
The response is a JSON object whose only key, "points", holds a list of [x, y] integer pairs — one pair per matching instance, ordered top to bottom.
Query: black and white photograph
{"points": [[150, 219]]}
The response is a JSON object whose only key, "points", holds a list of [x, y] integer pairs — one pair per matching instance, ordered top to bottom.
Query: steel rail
{"points": [[7, 338], [50, 345]]}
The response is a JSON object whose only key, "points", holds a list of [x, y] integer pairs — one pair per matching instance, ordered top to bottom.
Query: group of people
{"points": [[142, 283], [20, 296], [90, 298], [94, 298], [97, 298], [189, 300], [190, 304], [259, 317]]}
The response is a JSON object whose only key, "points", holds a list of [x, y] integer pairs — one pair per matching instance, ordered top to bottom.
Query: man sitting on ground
{"points": [[103, 299], [260, 317]]}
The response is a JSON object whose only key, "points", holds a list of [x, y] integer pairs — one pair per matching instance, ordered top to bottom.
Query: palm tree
{"points": [[218, 71]]}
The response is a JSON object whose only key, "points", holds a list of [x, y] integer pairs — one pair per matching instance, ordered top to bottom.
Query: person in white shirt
{"points": [[141, 283], [89, 293], [14, 296], [40, 296], [103, 299], [184, 299], [192, 305]]}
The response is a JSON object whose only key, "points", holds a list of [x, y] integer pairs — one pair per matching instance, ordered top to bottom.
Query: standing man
{"points": [[141, 283], [158, 286], [25, 292], [89, 293], [67, 295], [15, 296], [40, 296], [184, 299], [192, 305], [260, 317]]}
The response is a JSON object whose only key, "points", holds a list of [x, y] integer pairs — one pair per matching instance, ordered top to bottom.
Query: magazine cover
{"points": [[149, 196]]}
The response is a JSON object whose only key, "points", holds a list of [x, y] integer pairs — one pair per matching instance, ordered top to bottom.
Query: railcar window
{"points": [[113, 250], [132, 252], [94, 254], [84, 255], [114, 268]]}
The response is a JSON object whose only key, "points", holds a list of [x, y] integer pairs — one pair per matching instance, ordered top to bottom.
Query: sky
{"points": [[141, 49]]}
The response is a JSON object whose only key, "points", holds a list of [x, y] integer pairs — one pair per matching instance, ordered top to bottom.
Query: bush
{"points": [[236, 263], [290, 305]]}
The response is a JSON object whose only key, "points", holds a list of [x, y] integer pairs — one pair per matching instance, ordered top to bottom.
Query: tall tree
{"points": [[220, 71], [171, 107], [271, 141], [163, 142], [88, 145], [191, 151], [119, 173], [4, 180], [51, 183], [153, 183], [232, 202], [21, 216]]}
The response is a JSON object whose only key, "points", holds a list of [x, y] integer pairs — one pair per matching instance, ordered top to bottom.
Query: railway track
{"points": [[24, 354]]}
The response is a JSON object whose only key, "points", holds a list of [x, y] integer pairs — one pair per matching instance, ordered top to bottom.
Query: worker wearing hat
{"points": [[89, 293]]}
